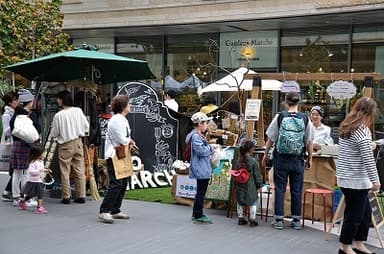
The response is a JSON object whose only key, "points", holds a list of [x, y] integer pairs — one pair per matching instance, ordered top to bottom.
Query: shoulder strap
{"points": [[282, 114], [305, 118]]}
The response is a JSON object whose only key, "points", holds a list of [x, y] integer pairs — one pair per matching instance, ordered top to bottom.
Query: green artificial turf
{"points": [[162, 195]]}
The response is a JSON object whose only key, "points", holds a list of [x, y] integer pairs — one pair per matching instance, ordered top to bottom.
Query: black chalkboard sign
{"points": [[153, 128], [376, 209]]}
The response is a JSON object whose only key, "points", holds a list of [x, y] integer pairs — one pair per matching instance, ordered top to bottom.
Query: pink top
{"points": [[34, 171]]}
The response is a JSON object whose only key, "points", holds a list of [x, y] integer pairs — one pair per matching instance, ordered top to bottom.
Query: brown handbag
{"points": [[120, 152]]}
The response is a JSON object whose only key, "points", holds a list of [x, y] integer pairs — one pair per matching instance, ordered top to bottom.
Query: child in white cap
{"points": [[200, 164]]}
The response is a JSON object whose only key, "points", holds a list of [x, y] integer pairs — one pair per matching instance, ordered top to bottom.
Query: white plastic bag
{"points": [[24, 129], [5, 152], [217, 155]]}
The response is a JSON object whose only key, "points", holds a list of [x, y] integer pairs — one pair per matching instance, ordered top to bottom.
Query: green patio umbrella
{"points": [[102, 68]]}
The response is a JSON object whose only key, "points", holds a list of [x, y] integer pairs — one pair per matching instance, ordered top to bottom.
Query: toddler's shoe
{"points": [[22, 205], [41, 210]]}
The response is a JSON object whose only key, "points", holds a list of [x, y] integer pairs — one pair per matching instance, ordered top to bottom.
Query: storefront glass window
{"points": [[143, 48], [322, 50], [316, 51], [192, 54], [368, 56], [191, 61]]}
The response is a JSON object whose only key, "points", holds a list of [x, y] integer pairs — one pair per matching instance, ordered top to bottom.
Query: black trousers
{"points": [[9, 185], [115, 191], [198, 205], [357, 216]]}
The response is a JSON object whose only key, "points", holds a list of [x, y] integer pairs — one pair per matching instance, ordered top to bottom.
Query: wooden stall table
{"points": [[321, 175]]}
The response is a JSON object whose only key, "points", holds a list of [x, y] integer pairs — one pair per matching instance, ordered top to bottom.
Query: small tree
{"points": [[30, 29]]}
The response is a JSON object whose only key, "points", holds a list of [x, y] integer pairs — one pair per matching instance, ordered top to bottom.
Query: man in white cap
{"points": [[200, 168]]}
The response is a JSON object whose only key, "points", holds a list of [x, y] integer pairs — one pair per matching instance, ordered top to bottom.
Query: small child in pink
{"points": [[34, 185]]}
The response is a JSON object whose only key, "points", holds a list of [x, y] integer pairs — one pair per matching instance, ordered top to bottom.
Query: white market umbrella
{"points": [[229, 84]]}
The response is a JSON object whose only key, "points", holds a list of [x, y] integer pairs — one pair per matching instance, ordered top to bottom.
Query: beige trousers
{"points": [[71, 156]]}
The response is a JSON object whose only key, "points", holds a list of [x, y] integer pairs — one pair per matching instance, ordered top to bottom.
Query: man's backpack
{"points": [[291, 138]]}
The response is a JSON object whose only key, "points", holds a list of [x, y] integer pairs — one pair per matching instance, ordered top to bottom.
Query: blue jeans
{"points": [[288, 167]]}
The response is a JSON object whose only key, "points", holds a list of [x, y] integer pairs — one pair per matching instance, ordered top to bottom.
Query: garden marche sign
{"points": [[259, 48]]}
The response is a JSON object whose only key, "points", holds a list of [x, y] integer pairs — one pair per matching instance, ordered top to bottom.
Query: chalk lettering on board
{"points": [[154, 130], [376, 211]]}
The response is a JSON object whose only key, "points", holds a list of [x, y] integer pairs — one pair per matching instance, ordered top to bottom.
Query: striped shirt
{"points": [[355, 166]]}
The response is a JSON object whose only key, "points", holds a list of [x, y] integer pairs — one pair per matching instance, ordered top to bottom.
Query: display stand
{"points": [[377, 216]]}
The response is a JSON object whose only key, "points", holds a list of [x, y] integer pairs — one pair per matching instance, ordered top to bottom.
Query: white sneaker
{"points": [[16, 202], [31, 203], [121, 216], [106, 218]]}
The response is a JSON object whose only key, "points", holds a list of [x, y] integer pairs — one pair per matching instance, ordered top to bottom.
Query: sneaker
{"points": [[7, 196], [79, 200], [65, 201], [16, 202], [31, 203], [22, 205], [41, 210], [121, 216], [106, 218], [204, 219], [242, 221], [253, 223], [278, 224], [296, 224]]}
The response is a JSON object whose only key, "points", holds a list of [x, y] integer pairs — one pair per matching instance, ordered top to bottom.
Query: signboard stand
{"points": [[256, 94], [377, 216]]}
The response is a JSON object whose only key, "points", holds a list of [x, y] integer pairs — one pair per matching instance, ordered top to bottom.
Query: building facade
{"points": [[184, 39]]}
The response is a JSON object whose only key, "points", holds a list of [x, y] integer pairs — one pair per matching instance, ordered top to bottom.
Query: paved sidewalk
{"points": [[153, 228]]}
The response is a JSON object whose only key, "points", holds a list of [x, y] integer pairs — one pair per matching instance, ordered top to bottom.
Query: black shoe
{"points": [[80, 200], [66, 201], [242, 221], [253, 223], [361, 252]]}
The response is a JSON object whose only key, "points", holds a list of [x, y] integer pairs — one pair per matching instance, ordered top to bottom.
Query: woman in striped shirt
{"points": [[357, 174]]}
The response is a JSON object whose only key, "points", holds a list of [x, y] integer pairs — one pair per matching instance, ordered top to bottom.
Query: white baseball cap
{"points": [[200, 117]]}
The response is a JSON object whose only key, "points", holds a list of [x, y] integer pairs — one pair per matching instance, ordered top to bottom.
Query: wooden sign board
{"points": [[252, 109], [377, 216]]}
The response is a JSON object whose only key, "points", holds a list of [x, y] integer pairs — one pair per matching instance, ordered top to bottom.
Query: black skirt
{"points": [[32, 189]]}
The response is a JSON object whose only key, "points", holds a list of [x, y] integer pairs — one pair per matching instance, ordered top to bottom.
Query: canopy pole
{"points": [[13, 82]]}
